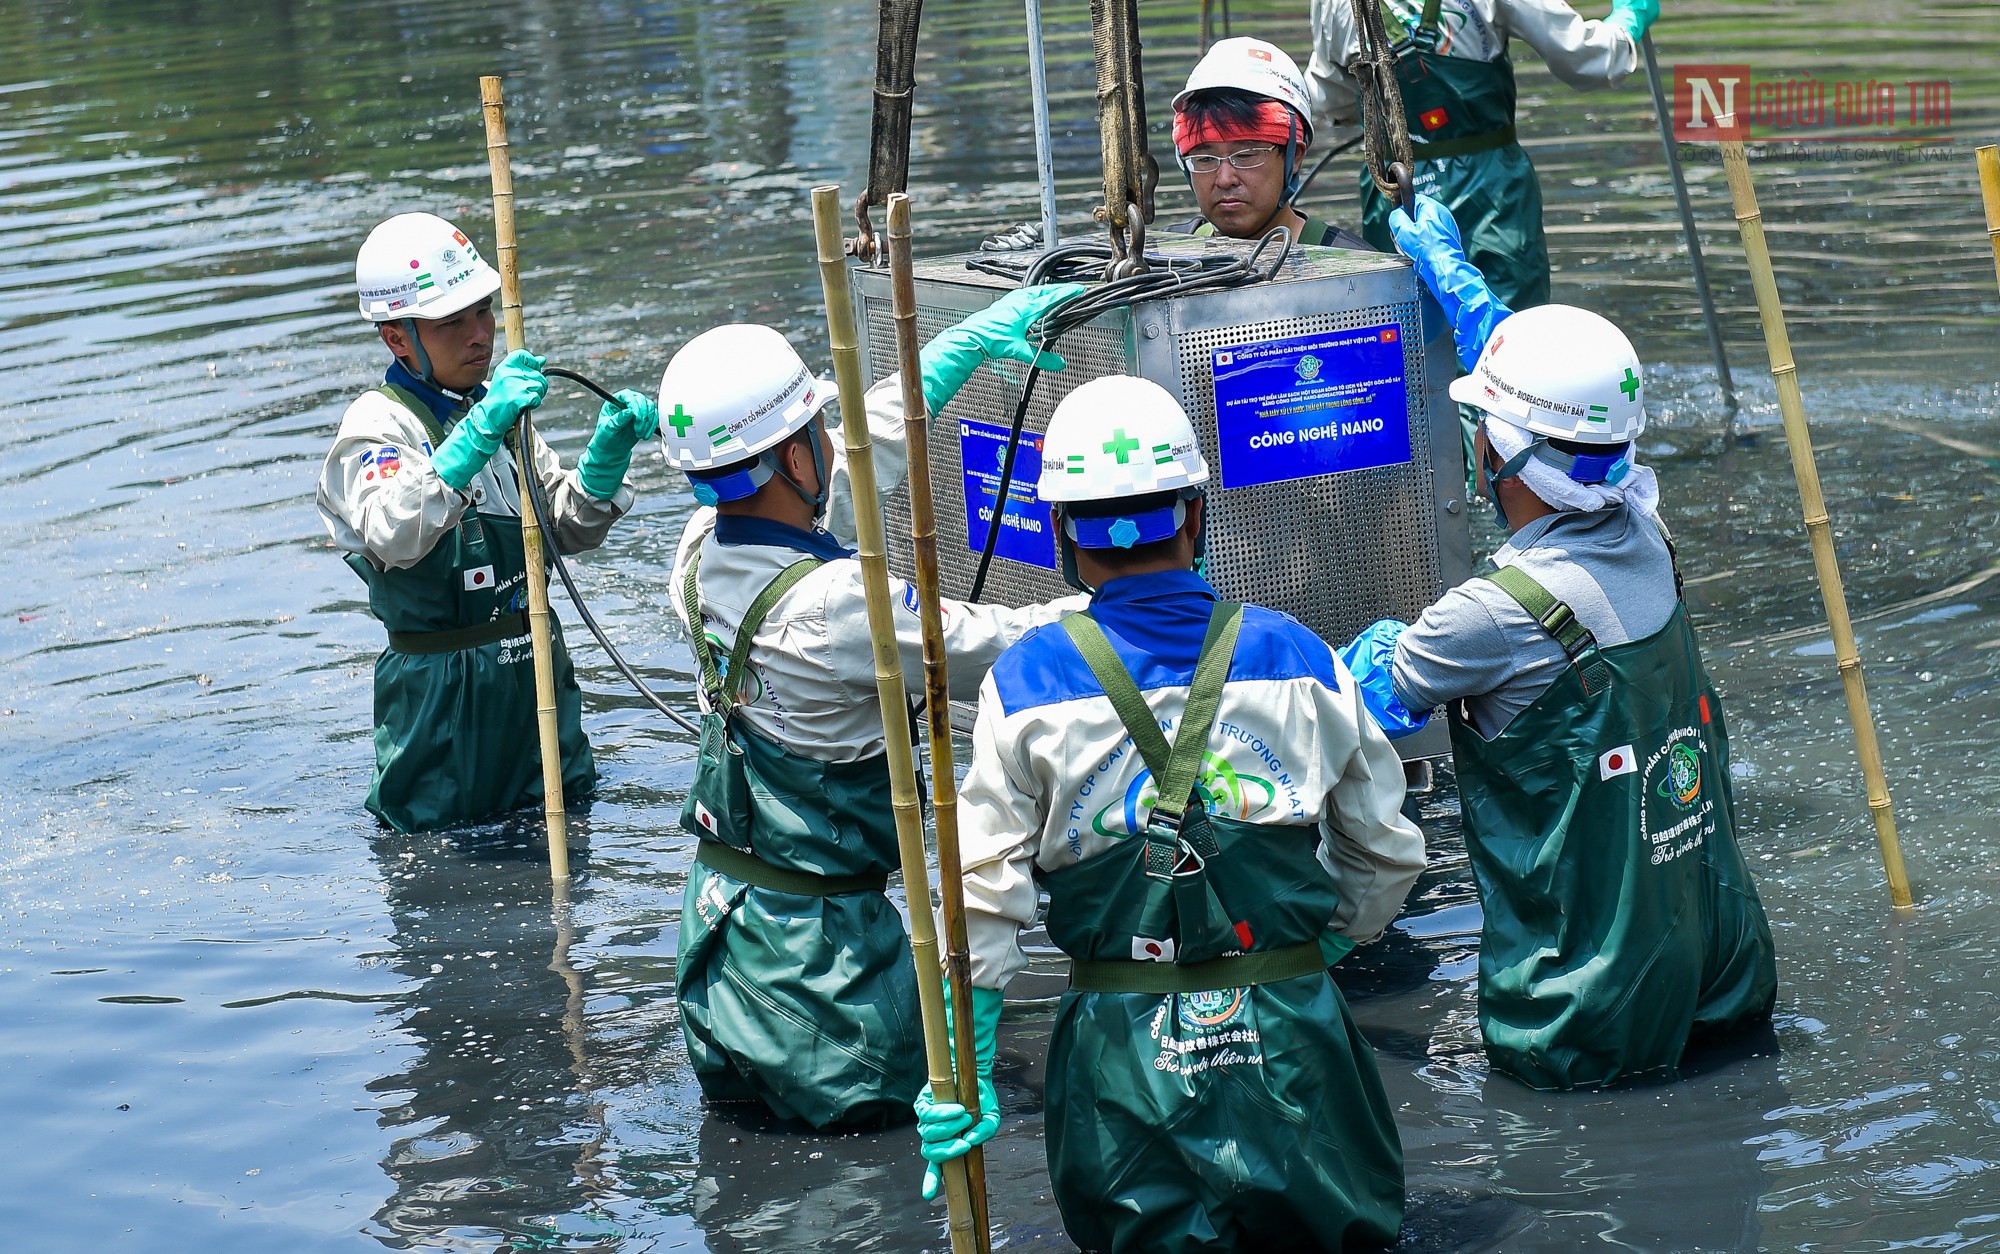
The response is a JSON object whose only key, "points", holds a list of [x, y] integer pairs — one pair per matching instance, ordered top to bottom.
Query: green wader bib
{"points": [[1461, 119], [455, 723], [1620, 917], [795, 980], [1219, 1098]]}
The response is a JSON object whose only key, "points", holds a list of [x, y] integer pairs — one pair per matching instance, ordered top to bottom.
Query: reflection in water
{"points": [[497, 1129]]}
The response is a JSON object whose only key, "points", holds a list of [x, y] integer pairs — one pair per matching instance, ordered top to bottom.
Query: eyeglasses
{"points": [[1241, 159]]}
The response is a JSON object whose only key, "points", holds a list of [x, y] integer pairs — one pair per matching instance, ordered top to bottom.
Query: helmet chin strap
{"points": [[1292, 175], [423, 358], [816, 500]]}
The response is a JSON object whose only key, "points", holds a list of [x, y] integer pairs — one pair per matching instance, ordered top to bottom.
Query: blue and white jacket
{"points": [[1055, 779]]}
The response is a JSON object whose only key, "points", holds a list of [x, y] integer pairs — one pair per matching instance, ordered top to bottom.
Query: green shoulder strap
{"points": [[411, 401], [1557, 619], [720, 701], [1176, 767]]}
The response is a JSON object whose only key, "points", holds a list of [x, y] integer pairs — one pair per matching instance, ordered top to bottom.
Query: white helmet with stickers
{"points": [[1253, 66], [417, 265], [1556, 372], [1562, 372], [731, 395], [1119, 436], [1114, 442]]}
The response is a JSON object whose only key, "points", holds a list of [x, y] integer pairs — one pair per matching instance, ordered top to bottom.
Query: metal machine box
{"points": [[1337, 489]]}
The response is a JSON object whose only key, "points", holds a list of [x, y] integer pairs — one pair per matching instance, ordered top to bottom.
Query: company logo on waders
{"points": [[1673, 774], [1682, 783]]}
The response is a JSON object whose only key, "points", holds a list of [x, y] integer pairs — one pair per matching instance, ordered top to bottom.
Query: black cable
{"points": [[1331, 153], [1168, 280], [539, 504]]}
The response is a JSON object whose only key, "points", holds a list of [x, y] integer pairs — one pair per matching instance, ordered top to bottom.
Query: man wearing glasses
{"points": [[1242, 127]]}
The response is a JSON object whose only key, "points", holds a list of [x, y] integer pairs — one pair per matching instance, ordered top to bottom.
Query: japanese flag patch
{"points": [[478, 577], [1619, 761], [705, 817], [1146, 949]]}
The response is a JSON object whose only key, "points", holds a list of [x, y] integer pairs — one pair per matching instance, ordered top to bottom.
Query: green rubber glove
{"points": [[1634, 17], [999, 330], [517, 386], [621, 424], [947, 1129]]}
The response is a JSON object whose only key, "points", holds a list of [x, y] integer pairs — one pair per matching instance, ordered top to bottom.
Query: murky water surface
{"points": [[240, 1017]]}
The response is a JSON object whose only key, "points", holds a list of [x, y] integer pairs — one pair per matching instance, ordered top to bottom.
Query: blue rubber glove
{"points": [[1634, 17], [1430, 240], [999, 330], [517, 386], [621, 424], [1370, 659], [947, 1129]]}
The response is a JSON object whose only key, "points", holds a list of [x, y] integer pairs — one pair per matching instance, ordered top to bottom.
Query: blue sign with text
{"points": [[1311, 405], [1027, 527]]}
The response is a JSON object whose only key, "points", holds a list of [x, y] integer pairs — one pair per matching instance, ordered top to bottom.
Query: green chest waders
{"points": [[1461, 120], [455, 690], [1620, 918], [795, 980], [1207, 1088]]}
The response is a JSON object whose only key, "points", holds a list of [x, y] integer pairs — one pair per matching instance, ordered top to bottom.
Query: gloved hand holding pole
{"points": [[524, 462], [889, 690]]}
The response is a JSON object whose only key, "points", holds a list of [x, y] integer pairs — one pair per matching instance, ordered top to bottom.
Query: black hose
{"points": [[1331, 153], [1177, 277], [539, 504]]}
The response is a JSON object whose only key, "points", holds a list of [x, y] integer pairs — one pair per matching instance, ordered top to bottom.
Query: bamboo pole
{"points": [[500, 163], [1989, 190], [1750, 221], [937, 689], [889, 691]]}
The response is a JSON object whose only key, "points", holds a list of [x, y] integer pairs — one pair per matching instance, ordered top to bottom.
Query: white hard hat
{"points": [[1253, 66], [417, 265], [1561, 372], [732, 392], [1118, 436]]}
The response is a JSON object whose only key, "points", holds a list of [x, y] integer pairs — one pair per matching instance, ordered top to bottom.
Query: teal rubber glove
{"points": [[1634, 17], [1430, 240], [999, 330], [517, 386], [621, 424], [1370, 659], [947, 1129]]}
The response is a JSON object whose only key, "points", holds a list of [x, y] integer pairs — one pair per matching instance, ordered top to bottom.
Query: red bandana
{"points": [[1274, 125]]}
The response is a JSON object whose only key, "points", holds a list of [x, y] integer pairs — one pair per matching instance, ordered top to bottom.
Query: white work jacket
{"points": [[1583, 54], [380, 496], [813, 661], [1055, 778]]}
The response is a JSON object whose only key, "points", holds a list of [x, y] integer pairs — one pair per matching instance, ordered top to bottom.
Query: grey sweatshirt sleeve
{"points": [[1476, 644]]}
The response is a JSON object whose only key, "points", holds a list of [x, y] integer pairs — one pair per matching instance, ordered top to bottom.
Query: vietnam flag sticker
{"points": [[1433, 119], [1619, 761]]}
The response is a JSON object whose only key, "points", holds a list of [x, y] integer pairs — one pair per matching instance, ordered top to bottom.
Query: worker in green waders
{"points": [[1457, 82], [1242, 129], [420, 490], [1592, 756], [1214, 816], [795, 981]]}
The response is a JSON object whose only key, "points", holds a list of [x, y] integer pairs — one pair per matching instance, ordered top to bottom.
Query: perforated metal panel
{"points": [[1337, 551]]}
